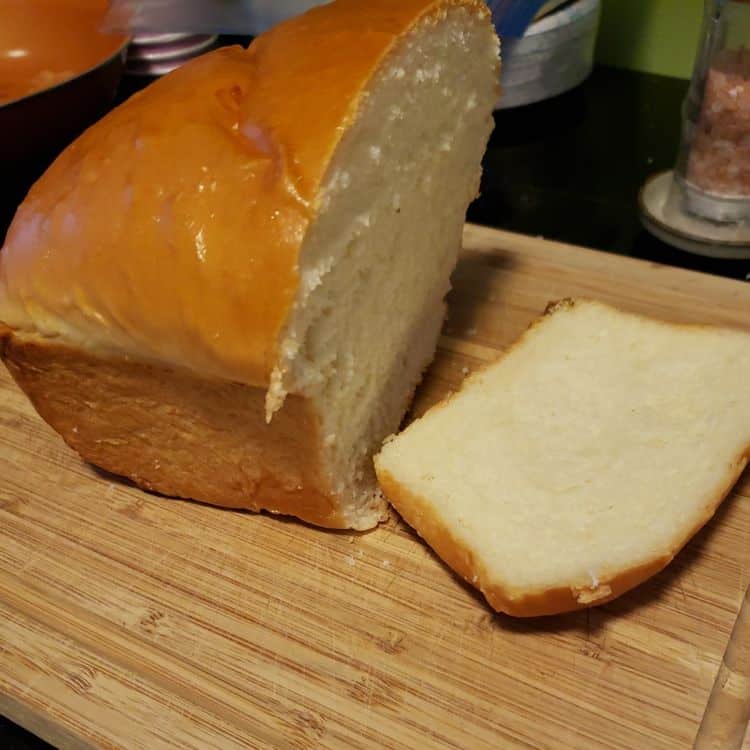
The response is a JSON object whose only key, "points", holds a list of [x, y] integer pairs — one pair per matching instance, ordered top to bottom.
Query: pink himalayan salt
{"points": [[719, 160]]}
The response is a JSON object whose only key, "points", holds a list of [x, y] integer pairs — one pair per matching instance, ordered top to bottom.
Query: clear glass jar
{"points": [[712, 174]]}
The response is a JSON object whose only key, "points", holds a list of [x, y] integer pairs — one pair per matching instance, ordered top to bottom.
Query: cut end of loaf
{"points": [[375, 267], [580, 463]]}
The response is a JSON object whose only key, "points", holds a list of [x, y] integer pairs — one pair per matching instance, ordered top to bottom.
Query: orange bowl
{"points": [[58, 72]]}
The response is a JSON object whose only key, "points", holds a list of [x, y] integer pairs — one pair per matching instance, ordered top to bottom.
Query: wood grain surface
{"points": [[129, 620]]}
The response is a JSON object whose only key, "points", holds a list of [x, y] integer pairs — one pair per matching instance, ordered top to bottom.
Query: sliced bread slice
{"points": [[579, 463]]}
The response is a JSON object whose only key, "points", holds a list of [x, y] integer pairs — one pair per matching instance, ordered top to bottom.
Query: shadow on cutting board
{"points": [[474, 286]]}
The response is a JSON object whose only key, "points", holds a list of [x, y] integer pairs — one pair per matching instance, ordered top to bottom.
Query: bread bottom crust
{"points": [[175, 432], [420, 515]]}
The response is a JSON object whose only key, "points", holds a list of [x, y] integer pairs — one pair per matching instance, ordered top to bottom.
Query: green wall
{"points": [[656, 36]]}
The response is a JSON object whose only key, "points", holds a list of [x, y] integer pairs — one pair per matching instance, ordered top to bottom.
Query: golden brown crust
{"points": [[171, 229], [568, 303], [172, 431], [419, 514]]}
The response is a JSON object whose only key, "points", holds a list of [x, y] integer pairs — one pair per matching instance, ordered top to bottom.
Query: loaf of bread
{"points": [[228, 288], [578, 464]]}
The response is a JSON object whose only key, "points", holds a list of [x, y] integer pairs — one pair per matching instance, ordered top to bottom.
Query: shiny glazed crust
{"points": [[171, 230], [172, 431]]}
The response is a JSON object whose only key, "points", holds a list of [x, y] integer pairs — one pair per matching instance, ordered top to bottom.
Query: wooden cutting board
{"points": [[130, 620]]}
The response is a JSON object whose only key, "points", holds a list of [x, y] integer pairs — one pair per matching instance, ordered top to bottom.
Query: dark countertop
{"points": [[568, 169]]}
